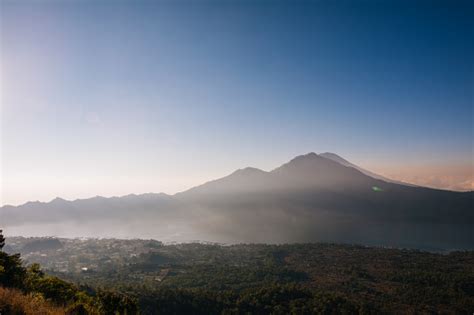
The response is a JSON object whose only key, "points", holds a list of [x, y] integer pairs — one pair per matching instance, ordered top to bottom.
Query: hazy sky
{"points": [[117, 97]]}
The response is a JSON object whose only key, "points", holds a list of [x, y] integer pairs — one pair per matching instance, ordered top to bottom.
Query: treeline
{"points": [[272, 299]]}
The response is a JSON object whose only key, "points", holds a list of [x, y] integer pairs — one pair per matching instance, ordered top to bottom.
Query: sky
{"points": [[116, 97]]}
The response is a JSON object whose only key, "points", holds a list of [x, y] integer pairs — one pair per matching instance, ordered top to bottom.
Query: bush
{"points": [[13, 301]]}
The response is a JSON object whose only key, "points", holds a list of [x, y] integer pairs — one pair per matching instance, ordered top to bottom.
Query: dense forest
{"points": [[109, 276]]}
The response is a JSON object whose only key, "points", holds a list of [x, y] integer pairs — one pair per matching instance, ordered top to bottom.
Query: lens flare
{"points": [[376, 189]]}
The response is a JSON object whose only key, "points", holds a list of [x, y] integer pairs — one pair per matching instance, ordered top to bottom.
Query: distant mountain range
{"points": [[311, 198]]}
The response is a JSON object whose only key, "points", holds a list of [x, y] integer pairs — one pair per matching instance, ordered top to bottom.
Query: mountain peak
{"points": [[329, 154], [308, 156], [335, 157], [305, 164], [248, 171], [58, 199]]}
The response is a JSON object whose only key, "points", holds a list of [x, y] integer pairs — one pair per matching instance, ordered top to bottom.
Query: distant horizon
{"points": [[205, 181]]}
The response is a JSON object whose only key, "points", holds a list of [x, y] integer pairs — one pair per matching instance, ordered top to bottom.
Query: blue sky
{"points": [[116, 97]]}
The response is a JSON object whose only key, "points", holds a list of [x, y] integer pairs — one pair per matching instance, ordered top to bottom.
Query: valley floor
{"points": [[258, 278]]}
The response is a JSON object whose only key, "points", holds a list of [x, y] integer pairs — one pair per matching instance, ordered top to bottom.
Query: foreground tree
{"points": [[2, 240], [12, 273]]}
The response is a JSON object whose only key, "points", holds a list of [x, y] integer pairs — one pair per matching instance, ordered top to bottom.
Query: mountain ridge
{"points": [[327, 155], [342, 161], [310, 198]]}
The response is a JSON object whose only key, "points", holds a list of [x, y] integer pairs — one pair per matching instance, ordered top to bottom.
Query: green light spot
{"points": [[375, 188]]}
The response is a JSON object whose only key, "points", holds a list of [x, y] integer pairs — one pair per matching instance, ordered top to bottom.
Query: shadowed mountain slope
{"points": [[310, 198]]}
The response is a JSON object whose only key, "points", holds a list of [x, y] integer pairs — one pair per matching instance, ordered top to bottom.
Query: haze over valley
{"points": [[311, 198]]}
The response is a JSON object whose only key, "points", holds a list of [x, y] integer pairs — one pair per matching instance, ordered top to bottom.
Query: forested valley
{"points": [[112, 276]]}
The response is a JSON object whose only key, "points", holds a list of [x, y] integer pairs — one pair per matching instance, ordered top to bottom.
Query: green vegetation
{"points": [[146, 275], [23, 288]]}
